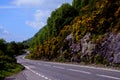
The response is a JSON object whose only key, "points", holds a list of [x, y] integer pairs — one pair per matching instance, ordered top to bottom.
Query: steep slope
{"points": [[58, 19], [87, 31]]}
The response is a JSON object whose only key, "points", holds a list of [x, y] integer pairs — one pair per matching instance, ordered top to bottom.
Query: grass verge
{"points": [[11, 71]]}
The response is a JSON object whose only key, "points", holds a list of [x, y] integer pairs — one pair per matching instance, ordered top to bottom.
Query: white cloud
{"points": [[27, 2], [39, 3], [41, 15], [39, 19], [35, 24], [3, 31], [10, 37]]}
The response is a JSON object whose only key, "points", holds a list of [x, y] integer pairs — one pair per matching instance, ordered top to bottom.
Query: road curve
{"points": [[40, 70]]}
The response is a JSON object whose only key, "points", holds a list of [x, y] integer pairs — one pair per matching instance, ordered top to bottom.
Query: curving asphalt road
{"points": [[40, 70]]}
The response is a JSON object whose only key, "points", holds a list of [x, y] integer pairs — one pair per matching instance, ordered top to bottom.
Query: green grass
{"points": [[10, 71]]}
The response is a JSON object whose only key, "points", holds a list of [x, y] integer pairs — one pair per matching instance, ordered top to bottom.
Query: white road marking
{"points": [[23, 57], [47, 65], [58, 67], [90, 67], [79, 71], [37, 73], [106, 76], [45, 77]]}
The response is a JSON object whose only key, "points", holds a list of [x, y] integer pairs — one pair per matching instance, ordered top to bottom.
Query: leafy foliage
{"points": [[78, 4], [93, 16], [58, 19], [8, 51]]}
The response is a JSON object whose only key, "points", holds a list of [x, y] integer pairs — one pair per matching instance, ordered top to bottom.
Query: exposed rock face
{"points": [[87, 45], [74, 47], [83, 47], [110, 48], [116, 58]]}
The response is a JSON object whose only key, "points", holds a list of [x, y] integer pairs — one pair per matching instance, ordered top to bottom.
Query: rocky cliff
{"points": [[109, 47]]}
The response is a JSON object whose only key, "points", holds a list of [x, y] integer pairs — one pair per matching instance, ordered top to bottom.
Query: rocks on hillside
{"points": [[83, 47], [110, 47]]}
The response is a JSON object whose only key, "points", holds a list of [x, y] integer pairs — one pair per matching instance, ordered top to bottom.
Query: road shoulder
{"points": [[19, 76]]}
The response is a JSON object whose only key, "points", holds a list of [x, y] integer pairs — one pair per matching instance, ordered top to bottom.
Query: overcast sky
{"points": [[21, 19]]}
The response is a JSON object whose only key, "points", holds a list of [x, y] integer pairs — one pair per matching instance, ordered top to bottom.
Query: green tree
{"points": [[78, 4], [60, 17], [2, 44]]}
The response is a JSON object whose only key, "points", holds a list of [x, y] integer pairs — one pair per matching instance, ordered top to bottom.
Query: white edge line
{"points": [[108, 76]]}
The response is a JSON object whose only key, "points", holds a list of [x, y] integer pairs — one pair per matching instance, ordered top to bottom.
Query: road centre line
{"points": [[47, 65], [58, 67], [90, 67], [72, 70], [75, 70], [79, 71], [37, 73], [106, 76]]}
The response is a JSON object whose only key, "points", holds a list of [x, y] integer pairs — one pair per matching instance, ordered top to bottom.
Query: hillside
{"points": [[87, 31]]}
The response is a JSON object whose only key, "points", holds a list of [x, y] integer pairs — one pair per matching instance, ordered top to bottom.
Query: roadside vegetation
{"points": [[8, 63]]}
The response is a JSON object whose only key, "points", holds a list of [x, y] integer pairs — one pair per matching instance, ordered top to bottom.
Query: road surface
{"points": [[40, 70]]}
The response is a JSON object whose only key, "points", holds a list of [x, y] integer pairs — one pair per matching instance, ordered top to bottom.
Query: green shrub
{"points": [[61, 59], [98, 59], [10, 70]]}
